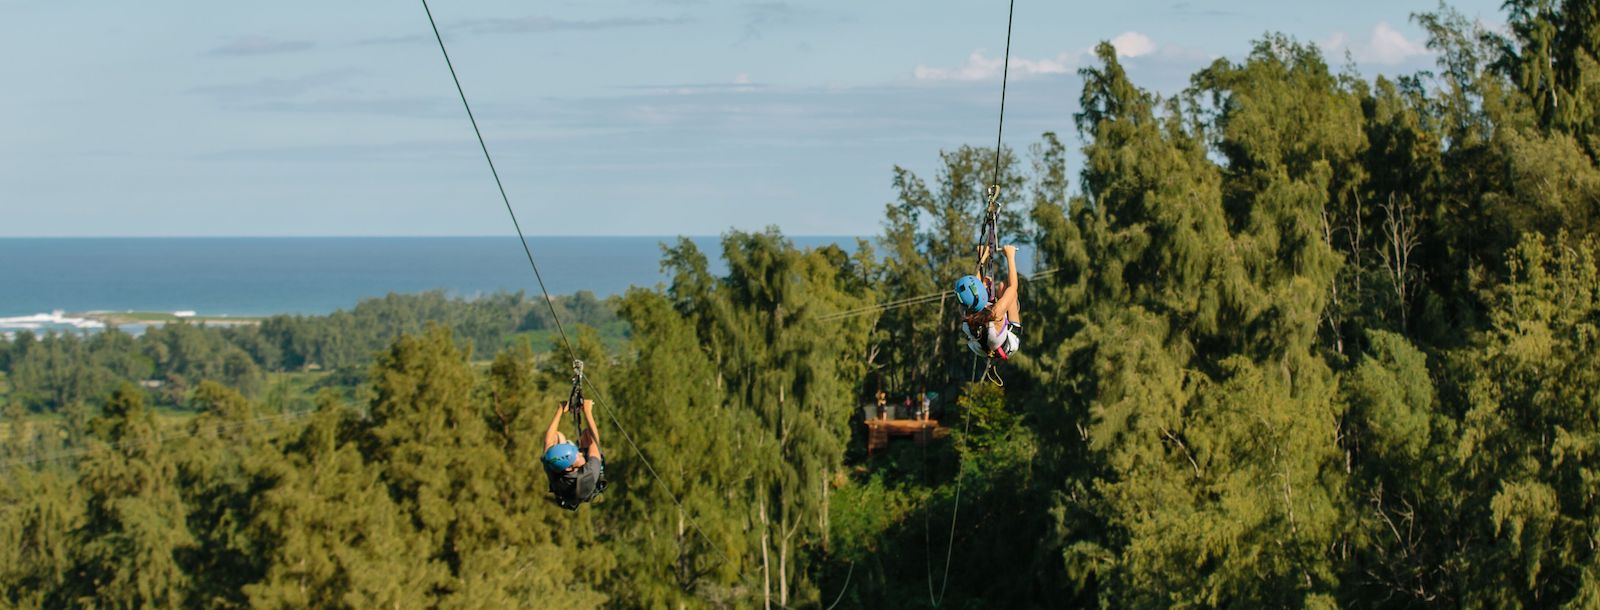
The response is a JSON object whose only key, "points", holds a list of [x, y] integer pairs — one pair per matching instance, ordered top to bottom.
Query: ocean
{"points": [[315, 275]]}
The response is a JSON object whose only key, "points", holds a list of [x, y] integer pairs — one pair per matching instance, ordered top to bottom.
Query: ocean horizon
{"points": [[259, 276]]}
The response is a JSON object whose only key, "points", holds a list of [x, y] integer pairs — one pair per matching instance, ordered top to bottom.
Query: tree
{"points": [[1188, 322], [777, 361], [1530, 391], [428, 434], [706, 452], [39, 515], [327, 530], [127, 548]]}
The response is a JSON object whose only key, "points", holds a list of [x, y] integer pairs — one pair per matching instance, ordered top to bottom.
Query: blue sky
{"points": [[620, 117]]}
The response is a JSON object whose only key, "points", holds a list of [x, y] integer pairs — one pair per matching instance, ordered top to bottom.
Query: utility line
{"points": [[909, 301]]}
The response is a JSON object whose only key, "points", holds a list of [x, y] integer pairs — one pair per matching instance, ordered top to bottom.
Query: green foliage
{"points": [[349, 338], [1310, 342], [185, 355], [49, 373], [1531, 388], [989, 423], [40, 512], [864, 515], [327, 530], [128, 546]]}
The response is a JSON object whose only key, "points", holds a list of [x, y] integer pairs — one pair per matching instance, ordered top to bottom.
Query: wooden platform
{"points": [[921, 431]]}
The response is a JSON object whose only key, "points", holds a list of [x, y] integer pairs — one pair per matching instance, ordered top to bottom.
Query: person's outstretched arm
{"points": [[1011, 264], [1006, 304], [593, 431], [552, 434]]}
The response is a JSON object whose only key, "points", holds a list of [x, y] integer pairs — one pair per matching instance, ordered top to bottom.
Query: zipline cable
{"points": [[1005, 74], [498, 184], [991, 215], [599, 396]]}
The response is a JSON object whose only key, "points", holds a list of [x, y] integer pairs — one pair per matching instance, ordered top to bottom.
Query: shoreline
{"points": [[127, 318]]}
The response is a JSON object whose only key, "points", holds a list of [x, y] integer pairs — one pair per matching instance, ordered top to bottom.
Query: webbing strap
{"points": [[989, 236], [575, 399]]}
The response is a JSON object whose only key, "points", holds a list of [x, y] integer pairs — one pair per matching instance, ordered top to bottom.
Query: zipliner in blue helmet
{"points": [[970, 291], [990, 328], [560, 456], [576, 471]]}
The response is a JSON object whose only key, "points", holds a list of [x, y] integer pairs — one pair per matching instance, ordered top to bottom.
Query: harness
{"points": [[988, 244]]}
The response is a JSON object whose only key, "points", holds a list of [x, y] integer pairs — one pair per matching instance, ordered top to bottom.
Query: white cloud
{"points": [[1133, 44], [1385, 45], [1389, 46], [980, 66]]}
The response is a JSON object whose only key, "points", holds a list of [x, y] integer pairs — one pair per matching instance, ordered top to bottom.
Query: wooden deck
{"points": [[921, 431]]}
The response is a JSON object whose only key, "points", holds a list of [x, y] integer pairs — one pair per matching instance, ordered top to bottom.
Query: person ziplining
{"points": [[990, 325], [576, 471]]}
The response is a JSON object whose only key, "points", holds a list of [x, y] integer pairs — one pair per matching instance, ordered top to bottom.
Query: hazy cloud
{"points": [[762, 16], [530, 25], [534, 25], [404, 39], [258, 45], [1384, 45], [741, 84], [270, 88], [412, 107]]}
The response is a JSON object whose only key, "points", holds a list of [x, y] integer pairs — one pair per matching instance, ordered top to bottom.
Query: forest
{"points": [[1305, 340]]}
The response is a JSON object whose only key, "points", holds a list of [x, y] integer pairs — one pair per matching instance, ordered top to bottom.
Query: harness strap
{"points": [[989, 235], [575, 399]]}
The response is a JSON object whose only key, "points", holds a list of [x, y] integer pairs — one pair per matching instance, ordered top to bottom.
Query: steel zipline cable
{"points": [[999, 136], [565, 340], [571, 351]]}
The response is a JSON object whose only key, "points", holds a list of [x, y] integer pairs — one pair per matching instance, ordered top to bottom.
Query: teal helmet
{"points": [[970, 290], [560, 456]]}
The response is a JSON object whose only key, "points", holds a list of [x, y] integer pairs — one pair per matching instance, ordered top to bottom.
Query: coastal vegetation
{"points": [[1307, 340]]}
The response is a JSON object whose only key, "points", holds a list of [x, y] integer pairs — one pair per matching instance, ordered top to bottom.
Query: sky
{"points": [[605, 117]]}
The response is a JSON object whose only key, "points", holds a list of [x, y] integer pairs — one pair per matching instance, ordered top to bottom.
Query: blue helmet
{"points": [[970, 290], [560, 456]]}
